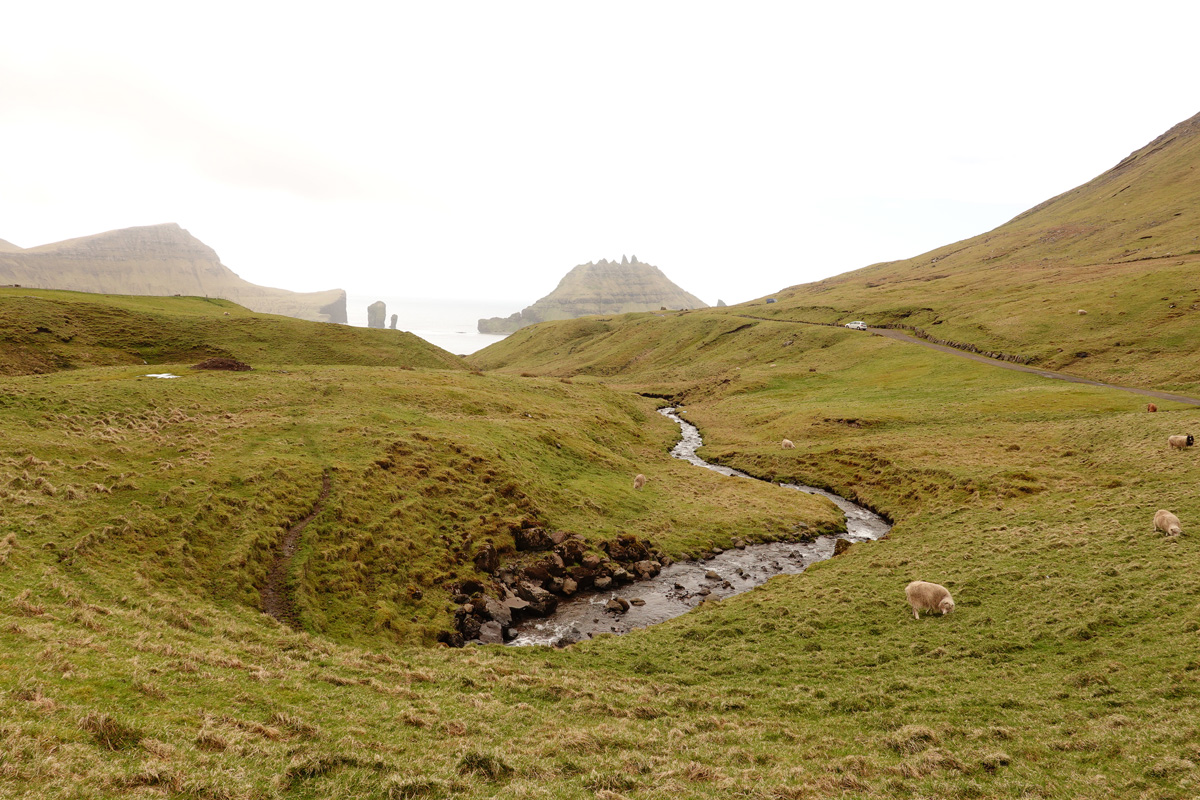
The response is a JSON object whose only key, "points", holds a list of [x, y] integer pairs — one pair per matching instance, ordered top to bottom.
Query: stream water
{"points": [[683, 585]]}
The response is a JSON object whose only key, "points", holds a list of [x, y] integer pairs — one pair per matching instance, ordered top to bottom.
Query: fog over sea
{"points": [[449, 324]]}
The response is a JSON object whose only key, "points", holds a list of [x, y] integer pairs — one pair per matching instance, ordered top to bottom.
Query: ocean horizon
{"points": [[449, 324]]}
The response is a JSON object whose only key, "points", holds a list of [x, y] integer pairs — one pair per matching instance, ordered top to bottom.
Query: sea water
{"points": [[449, 324]]}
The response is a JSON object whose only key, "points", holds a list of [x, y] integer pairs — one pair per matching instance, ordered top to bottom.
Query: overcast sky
{"points": [[480, 149]]}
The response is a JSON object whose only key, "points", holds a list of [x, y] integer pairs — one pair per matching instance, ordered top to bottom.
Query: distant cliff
{"points": [[155, 260], [606, 287]]}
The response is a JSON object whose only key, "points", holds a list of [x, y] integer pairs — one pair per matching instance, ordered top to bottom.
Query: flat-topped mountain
{"points": [[155, 260], [604, 287]]}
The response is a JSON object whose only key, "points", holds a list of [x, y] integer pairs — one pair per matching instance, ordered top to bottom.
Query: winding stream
{"points": [[683, 585]]}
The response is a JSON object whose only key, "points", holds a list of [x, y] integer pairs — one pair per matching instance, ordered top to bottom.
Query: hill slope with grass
{"points": [[1123, 249], [155, 260], [45, 331]]}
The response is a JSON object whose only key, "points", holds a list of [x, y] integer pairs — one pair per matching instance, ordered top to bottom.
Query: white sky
{"points": [[480, 150]]}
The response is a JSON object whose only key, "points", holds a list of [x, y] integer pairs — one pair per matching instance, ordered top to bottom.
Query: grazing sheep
{"points": [[1151, 407], [1181, 440], [787, 444], [639, 481], [1167, 522], [925, 596]]}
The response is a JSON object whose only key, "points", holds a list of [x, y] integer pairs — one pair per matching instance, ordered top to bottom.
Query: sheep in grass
{"points": [[1181, 440], [787, 444], [639, 481], [1167, 522], [925, 596]]}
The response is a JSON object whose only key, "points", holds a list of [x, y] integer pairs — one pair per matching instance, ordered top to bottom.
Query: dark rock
{"points": [[558, 537], [532, 539], [841, 546], [626, 548], [571, 551], [487, 560], [590, 561], [646, 569], [621, 575], [712, 575], [603, 582], [569, 586], [470, 587], [637, 601], [541, 602], [515, 604], [618, 604], [497, 611], [469, 626], [491, 633], [572, 636], [452, 638]]}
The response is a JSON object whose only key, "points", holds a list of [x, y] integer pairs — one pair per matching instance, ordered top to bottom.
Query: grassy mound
{"points": [[46, 331]]}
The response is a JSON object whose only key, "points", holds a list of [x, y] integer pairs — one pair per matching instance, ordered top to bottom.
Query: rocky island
{"points": [[158, 260], [604, 287]]}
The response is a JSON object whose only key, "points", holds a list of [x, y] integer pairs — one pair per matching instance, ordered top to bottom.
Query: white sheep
{"points": [[1181, 440], [787, 444], [639, 481], [1167, 522], [925, 596]]}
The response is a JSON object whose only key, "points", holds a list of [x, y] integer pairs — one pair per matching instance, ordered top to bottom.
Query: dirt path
{"points": [[1045, 373], [276, 600]]}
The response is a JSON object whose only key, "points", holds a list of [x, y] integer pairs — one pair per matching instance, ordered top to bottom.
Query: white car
{"points": [[857, 325]]}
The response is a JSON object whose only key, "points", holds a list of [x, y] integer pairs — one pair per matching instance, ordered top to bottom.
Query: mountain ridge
{"points": [[160, 260]]}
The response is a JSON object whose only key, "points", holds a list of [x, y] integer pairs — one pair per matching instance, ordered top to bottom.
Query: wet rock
{"points": [[532, 539], [841, 546], [716, 551], [487, 560], [646, 569], [621, 575], [712, 575], [602, 582], [555, 585], [569, 586], [637, 601], [541, 602], [618, 604], [516, 605], [497, 611], [491, 633], [570, 637]]}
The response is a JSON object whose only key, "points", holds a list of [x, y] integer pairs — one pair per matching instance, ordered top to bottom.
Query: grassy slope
{"points": [[1122, 247], [46, 330], [1067, 670]]}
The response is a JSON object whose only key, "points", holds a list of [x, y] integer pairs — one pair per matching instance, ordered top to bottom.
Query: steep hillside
{"points": [[1124, 249], [156, 260], [600, 288], [46, 331]]}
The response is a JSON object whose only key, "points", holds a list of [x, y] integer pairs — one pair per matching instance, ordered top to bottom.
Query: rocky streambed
{"points": [[680, 586]]}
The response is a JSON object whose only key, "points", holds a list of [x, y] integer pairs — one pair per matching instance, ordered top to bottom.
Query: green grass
{"points": [[47, 331], [137, 662]]}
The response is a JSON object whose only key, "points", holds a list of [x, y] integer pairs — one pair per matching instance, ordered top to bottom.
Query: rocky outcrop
{"points": [[158, 260], [606, 287], [376, 314], [395, 319]]}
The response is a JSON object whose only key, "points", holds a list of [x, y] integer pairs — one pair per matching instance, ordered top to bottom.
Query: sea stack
{"points": [[376, 314]]}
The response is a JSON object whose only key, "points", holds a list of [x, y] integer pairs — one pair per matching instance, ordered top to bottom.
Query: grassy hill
{"points": [[45, 330], [140, 517]]}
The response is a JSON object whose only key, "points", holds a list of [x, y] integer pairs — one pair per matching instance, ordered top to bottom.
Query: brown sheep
{"points": [[1151, 407], [1181, 440], [787, 444], [639, 481], [1167, 522], [925, 596]]}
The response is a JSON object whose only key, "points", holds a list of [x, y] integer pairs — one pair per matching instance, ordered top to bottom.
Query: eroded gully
{"points": [[683, 585]]}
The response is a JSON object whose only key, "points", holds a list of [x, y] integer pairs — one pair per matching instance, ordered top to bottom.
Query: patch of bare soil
{"points": [[231, 364], [277, 600]]}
